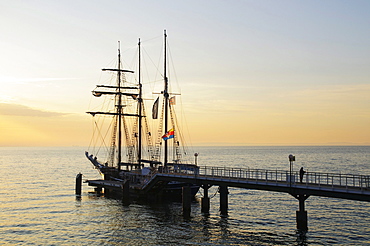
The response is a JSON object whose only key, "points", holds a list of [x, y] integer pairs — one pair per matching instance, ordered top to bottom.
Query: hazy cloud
{"points": [[7, 79], [22, 110]]}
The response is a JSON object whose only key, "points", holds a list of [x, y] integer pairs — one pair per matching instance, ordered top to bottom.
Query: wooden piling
{"points": [[78, 188], [126, 193], [205, 199], [223, 200], [186, 201]]}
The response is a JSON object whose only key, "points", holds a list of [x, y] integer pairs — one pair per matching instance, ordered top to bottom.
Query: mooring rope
{"points": [[210, 196]]}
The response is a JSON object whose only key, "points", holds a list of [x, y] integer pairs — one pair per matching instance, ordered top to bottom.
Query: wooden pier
{"points": [[344, 186]]}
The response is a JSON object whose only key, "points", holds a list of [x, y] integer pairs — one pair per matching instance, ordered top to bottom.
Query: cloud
{"points": [[7, 79], [22, 110]]}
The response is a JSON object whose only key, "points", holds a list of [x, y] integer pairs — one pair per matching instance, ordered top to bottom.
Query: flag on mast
{"points": [[155, 109], [169, 134]]}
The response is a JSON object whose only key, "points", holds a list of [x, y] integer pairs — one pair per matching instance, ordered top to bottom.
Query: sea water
{"points": [[38, 205]]}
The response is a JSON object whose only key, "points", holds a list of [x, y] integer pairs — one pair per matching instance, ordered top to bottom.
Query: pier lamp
{"points": [[196, 158], [291, 160]]}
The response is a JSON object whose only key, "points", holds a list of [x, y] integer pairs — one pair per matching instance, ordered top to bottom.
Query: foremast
{"points": [[118, 113]]}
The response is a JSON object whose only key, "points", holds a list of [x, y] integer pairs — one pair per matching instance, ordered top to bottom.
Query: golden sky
{"points": [[250, 72]]}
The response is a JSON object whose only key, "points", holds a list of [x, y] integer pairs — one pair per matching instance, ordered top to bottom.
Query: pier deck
{"points": [[343, 186], [353, 187]]}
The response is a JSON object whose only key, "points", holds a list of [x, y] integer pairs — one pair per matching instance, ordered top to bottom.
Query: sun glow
{"points": [[267, 73]]}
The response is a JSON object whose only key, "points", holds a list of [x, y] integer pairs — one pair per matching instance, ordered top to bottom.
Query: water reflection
{"points": [[34, 203], [164, 224], [206, 224], [223, 225], [301, 238]]}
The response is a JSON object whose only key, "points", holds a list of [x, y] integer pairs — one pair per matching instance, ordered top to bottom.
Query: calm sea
{"points": [[38, 205]]}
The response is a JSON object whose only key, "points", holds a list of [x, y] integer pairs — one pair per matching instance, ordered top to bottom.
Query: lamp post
{"points": [[196, 158], [291, 160]]}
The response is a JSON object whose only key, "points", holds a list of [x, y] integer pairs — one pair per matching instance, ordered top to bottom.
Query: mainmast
{"points": [[166, 96], [140, 101], [119, 109]]}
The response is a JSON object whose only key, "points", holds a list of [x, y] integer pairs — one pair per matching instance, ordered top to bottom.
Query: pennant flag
{"points": [[173, 100], [155, 109], [169, 134]]}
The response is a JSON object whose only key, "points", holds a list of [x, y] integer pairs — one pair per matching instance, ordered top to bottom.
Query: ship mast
{"points": [[166, 96], [140, 101], [118, 107], [119, 110]]}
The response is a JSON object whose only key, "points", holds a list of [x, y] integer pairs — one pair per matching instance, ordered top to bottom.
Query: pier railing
{"points": [[277, 176], [316, 178]]}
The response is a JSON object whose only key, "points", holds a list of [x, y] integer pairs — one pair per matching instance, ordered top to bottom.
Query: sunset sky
{"points": [[264, 72]]}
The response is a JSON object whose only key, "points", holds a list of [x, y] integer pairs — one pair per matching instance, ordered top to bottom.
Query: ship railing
{"points": [[280, 177]]}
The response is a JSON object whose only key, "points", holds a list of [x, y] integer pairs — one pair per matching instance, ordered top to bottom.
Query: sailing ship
{"points": [[131, 153]]}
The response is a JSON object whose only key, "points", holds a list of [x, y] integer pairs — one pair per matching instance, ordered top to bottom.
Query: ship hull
{"points": [[170, 191]]}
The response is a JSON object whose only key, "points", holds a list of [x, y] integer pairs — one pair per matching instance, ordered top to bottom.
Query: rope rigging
{"points": [[152, 144]]}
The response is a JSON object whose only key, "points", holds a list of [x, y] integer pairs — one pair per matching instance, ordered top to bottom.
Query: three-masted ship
{"points": [[133, 152]]}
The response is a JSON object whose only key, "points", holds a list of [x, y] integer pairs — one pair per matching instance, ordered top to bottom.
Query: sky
{"points": [[269, 72]]}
